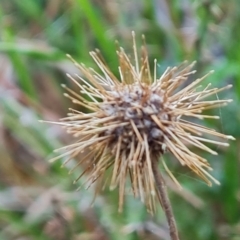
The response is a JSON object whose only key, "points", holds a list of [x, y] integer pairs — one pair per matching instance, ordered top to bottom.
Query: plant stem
{"points": [[165, 202]]}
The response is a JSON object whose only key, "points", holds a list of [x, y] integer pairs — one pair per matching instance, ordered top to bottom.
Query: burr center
{"points": [[136, 105]]}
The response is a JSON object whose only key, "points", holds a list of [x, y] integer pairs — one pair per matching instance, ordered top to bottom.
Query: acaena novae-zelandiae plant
{"points": [[132, 120]]}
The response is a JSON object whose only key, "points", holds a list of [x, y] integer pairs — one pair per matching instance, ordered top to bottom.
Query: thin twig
{"points": [[165, 202]]}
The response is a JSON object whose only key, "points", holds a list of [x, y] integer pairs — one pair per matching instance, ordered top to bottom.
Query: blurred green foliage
{"points": [[38, 199]]}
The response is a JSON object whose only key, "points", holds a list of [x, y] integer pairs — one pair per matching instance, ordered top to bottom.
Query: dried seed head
{"points": [[136, 119]]}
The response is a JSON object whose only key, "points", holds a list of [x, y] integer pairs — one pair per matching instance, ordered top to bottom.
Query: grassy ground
{"points": [[38, 199]]}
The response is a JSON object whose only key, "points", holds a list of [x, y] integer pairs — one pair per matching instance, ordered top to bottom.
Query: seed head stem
{"points": [[165, 202]]}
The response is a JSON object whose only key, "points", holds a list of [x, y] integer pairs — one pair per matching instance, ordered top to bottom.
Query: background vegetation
{"points": [[38, 199]]}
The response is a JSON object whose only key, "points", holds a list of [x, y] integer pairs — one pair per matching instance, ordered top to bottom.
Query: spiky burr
{"points": [[132, 120]]}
